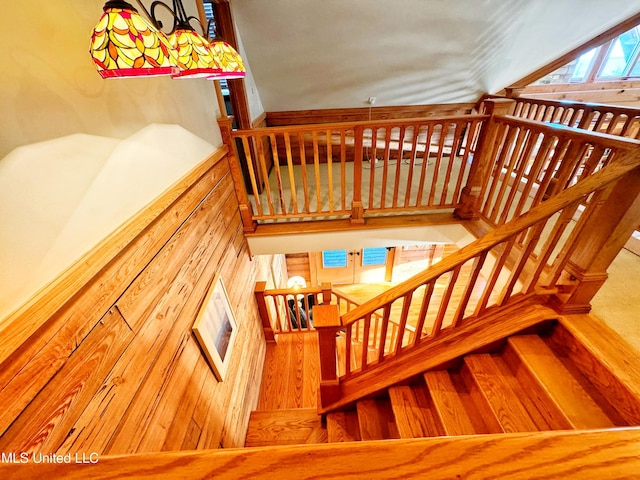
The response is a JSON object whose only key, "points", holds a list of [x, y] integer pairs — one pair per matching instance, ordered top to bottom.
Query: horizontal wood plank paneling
{"points": [[335, 115], [37, 313], [31, 364], [136, 380], [49, 418]]}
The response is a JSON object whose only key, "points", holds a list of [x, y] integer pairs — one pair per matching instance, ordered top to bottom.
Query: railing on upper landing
{"points": [[610, 119], [529, 161], [493, 166], [343, 170]]}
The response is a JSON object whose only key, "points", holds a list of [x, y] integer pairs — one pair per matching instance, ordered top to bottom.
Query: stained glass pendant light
{"points": [[124, 44], [194, 53], [229, 61]]}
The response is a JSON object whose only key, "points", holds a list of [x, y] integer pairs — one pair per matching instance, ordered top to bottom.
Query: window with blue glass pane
{"points": [[621, 54], [374, 256], [334, 258]]}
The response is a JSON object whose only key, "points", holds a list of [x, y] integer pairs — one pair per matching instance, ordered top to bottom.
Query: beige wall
{"points": [[49, 86]]}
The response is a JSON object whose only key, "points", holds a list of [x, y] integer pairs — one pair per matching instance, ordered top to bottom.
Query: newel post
{"points": [[483, 158], [357, 209], [246, 212], [613, 221], [326, 293], [264, 312], [326, 320]]}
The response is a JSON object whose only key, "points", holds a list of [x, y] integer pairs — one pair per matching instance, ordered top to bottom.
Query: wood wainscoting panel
{"points": [[336, 115], [34, 362], [137, 381], [50, 417]]}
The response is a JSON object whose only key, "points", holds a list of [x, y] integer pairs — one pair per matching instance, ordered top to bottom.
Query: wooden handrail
{"points": [[572, 104], [613, 119], [315, 127], [576, 133], [598, 180], [604, 454]]}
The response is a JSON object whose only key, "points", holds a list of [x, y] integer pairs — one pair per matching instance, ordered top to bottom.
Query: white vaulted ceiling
{"points": [[308, 54]]}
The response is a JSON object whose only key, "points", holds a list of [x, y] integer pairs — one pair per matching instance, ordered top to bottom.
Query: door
{"points": [[367, 265]]}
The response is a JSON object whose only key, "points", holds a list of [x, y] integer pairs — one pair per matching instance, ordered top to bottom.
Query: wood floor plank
{"points": [[296, 371], [291, 373], [549, 374], [269, 376], [311, 379], [279, 398], [529, 401], [504, 403], [448, 405], [410, 416], [434, 426], [285, 427], [343, 427]]}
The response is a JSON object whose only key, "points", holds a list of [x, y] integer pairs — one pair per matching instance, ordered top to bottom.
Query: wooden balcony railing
{"points": [[611, 119], [532, 161], [492, 165], [342, 170], [520, 258], [287, 310], [290, 310]]}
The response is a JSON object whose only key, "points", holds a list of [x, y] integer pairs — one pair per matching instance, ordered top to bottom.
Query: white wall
{"points": [[337, 53], [49, 87]]}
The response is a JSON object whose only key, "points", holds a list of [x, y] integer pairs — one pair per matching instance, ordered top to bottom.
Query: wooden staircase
{"points": [[555, 379]]}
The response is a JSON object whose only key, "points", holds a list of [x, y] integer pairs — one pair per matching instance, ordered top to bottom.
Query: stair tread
{"points": [[606, 359], [526, 396], [503, 401], [448, 404], [580, 410], [411, 411], [375, 419], [285, 427], [343, 427]]}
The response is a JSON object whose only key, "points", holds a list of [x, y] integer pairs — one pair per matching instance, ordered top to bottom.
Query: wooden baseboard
{"points": [[336, 115]]}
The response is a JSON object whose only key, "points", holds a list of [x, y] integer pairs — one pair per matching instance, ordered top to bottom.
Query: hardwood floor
{"points": [[291, 373]]}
